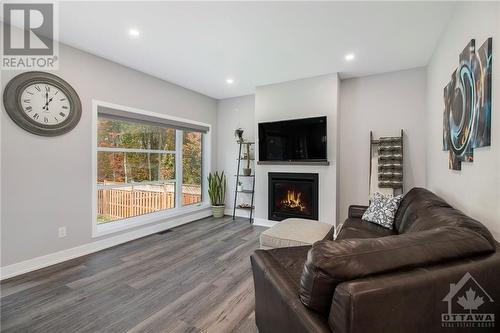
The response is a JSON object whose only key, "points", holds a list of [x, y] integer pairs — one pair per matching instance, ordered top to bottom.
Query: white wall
{"points": [[316, 96], [384, 104], [233, 113], [47, 182], [476, 188]]}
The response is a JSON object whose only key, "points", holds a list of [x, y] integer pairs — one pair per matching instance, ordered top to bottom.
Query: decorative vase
{"points": [[247, 171], [239, 188], [218, 211]]}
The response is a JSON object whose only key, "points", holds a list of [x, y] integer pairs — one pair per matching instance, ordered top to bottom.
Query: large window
{"points": [[144, 168]]}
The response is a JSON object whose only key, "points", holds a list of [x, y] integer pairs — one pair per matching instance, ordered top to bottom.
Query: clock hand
{"points": [[46, 100], [46, 107]]}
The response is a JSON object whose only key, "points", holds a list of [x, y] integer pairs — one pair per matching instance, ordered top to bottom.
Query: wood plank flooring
{"points": [[194, 278]]}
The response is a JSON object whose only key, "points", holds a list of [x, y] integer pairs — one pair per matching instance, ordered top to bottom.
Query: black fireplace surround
{"points": [[292, 195]]}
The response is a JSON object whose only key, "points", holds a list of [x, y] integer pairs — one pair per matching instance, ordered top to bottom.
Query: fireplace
{"points": [[293, 195]]}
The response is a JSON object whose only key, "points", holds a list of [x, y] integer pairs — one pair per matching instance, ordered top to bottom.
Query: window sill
{"points": [[143, 220]]}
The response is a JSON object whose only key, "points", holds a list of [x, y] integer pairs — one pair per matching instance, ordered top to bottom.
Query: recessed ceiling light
{"points": [[134, 33], [350, 56], [229, 81]]}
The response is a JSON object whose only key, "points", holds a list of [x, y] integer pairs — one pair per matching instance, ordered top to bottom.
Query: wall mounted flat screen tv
{"points": [[293, 140]]}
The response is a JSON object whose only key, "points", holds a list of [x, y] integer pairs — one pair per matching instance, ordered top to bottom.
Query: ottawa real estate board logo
{"points": [[30, 34], [468, 305]]}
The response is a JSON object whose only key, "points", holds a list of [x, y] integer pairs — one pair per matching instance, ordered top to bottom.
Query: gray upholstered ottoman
{"points": [[293, 232]]}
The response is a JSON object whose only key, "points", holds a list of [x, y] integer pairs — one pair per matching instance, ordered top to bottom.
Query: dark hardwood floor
{"points": [[194, 278]]}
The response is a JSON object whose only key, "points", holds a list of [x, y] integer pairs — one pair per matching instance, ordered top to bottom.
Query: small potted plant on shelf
{"points": [[239, 188], [217, 192]]}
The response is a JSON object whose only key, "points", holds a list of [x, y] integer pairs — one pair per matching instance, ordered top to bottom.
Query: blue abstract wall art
{"points": [[467, 105]]}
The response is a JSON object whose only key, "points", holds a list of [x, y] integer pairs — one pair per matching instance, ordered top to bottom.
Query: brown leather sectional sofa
{"points": [[372, 279]]}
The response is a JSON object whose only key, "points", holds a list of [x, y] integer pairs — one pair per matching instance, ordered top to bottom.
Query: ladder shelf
{"points": [[239, 175]]}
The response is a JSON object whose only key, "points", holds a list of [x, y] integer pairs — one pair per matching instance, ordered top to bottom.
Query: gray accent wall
{"points": [[47, 182], [476, 188]]}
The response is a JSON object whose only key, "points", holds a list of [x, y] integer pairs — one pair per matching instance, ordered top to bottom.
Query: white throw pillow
{"points": [[382, 210]]}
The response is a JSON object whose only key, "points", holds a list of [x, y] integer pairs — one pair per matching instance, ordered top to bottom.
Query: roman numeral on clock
{"points": [[62, 114]]}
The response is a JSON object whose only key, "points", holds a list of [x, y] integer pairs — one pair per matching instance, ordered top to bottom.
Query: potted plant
{"points": [[247, 171], [239, 188], [217, 192]]}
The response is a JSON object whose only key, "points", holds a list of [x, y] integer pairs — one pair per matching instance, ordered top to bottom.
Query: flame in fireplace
{"points": [[293, 201]]}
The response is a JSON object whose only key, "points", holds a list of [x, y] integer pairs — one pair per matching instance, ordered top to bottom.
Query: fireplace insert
{"points": [[292, 195]]}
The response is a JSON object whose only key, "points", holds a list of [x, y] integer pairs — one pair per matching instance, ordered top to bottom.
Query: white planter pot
{"points": [[239, 188], [218, 211]]}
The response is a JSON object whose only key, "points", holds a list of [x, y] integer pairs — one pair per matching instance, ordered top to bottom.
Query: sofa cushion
{"points": [[422, 210], [357, 228], [294, 232], [332, 262], [390, 302]]}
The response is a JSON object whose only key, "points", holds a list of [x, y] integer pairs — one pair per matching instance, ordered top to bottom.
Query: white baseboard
{"points": [[264, 222], [75, 252]]}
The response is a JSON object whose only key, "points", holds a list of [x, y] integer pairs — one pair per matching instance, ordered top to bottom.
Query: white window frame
{"points": [[179, 209]]}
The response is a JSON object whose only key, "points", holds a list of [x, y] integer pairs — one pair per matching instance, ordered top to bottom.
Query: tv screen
{"points": [[293, 140]]}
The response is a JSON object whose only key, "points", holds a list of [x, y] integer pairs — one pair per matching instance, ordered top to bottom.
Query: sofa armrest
{"points": [[356, 211], [332, 262], [413, 301], [277, 306]]}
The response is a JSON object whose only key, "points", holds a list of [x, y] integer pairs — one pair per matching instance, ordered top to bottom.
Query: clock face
{"points": [[45, 104]]}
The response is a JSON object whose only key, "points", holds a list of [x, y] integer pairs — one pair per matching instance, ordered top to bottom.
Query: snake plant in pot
{"points": [[217, 192]]}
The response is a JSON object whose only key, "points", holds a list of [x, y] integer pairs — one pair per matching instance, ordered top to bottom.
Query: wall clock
{"points": [[42, 103]]}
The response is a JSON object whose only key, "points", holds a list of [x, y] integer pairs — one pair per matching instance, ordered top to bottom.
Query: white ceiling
{"points": [[199, 45]]}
